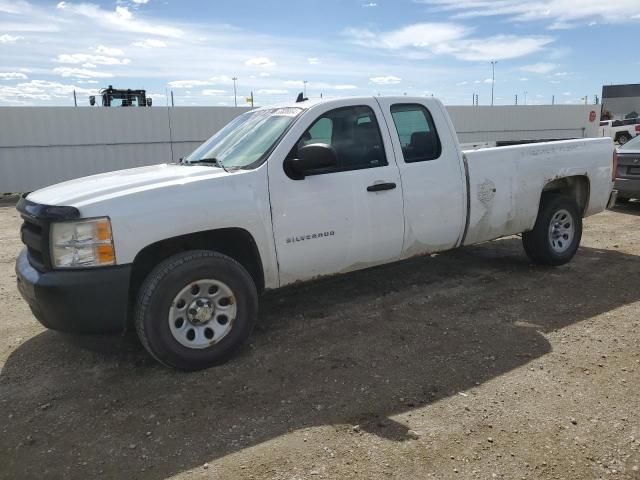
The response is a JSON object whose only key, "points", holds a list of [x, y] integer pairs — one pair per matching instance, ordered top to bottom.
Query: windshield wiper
{"points": [[213, 161]]}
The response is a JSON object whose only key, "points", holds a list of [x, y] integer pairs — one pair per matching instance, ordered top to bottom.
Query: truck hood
{"points": [[86, 190]]}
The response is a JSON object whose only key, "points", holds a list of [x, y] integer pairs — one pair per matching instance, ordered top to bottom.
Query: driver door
{"points": [[340, 218]]}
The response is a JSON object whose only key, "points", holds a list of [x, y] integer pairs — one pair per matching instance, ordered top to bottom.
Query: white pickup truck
{"points": [[620, 131], [180, 252]]}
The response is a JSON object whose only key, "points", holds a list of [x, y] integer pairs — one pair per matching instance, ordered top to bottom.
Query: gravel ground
{"points": [[470, 364]]}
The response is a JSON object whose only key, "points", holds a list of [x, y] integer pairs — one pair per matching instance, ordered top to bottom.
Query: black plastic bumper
{"points": [[628, 188], [79, 301]]}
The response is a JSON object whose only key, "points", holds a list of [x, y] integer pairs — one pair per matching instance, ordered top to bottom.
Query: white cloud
{"points": [[141, 2], [370, 5], [561, 13], [119, 19], [419, 35], [6, 38], [423, 39], [150, 43], [500, 47], [109, 51], [79, 58], [313, 60], [260, 62], [542, 68], [80, 73], [264, 74], [12, 76], [523, 79], [385, 80], [488, 80], [212, 81], [189, 83], [294, 83], [461, 84], [344, 87], [40, 90], [272, 91], [213, 92]]}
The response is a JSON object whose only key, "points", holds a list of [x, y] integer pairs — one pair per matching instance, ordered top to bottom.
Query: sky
{"points": [[565, 49]]}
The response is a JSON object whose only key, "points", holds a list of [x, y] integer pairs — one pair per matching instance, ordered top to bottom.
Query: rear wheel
{"points": [[556, 236], [196, 309]]}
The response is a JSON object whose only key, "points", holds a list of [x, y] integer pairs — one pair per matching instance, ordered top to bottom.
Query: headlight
{"points": [[85, 243]]}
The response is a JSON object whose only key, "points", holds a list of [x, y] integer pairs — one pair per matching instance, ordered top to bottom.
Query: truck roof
{"points": [[313, 102]]}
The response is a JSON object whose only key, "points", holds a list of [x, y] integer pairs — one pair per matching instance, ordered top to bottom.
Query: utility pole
{"points": [[493, 78], [305, 88], [235, 93], [172, 98], [476, 99], [516, 99], [553, 99], [75, 100]]}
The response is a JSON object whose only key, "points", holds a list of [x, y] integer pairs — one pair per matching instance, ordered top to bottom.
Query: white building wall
{"points": [[40, 146]]}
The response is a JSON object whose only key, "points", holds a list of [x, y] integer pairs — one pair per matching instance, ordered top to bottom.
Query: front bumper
{"points": [[628, 187], [79, 301]]}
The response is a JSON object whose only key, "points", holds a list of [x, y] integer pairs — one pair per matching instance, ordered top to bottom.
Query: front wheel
{"points": [[556, 236], [196, 309]]}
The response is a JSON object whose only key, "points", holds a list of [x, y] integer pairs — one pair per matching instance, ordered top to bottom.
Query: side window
{"points": [[354, 134], [418, 136]]}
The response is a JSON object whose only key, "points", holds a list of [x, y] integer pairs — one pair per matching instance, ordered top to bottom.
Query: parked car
{"points": [[621, 131], [628, 174], [283, 195]]}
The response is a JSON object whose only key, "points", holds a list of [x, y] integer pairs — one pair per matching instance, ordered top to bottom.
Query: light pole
{"points": [[493, 78], [305, 88], [235, 93]]}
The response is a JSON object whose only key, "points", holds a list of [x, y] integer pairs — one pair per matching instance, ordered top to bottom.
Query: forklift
{"points": [[118, 97]]}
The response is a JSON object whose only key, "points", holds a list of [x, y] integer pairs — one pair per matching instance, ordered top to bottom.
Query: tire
{"points": [[623, 138], [552, 242], [196, 309]]}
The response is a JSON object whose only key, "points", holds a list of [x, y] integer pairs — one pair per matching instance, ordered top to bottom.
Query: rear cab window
{"points": [[417, 132]]}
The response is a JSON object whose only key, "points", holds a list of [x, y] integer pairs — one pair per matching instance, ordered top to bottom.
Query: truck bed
{"points": [[505, 184]]}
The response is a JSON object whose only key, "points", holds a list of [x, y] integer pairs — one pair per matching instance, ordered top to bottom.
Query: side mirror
{"points": [[92, 100], [149, 102], [311, 157]]}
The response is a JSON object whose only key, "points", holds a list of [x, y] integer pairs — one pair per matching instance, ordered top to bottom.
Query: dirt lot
{"points": [[470, 364]]}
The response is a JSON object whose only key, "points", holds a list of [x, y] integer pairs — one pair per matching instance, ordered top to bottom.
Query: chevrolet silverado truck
{"points": [[180, 252]]}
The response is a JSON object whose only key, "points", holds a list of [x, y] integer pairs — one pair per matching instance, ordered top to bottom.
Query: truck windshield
{"points": [[246, 141]]}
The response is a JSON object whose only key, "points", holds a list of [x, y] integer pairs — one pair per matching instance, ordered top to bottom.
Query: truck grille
{"points": [[628, 165], [35, 235]]}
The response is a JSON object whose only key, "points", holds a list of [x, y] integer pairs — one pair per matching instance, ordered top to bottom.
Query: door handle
{"points": [[379, 187]]}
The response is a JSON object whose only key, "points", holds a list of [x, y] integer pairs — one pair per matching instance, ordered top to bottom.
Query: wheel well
{"points": [[576, 187], [233, 242]]}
